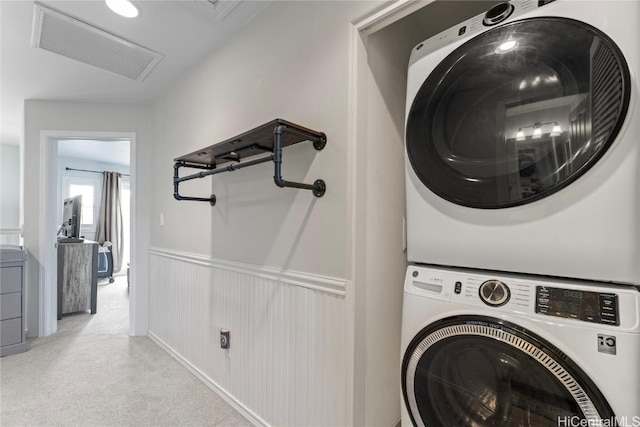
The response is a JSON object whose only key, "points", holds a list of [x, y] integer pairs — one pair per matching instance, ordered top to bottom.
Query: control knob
{"points": [[497, 14], [494, 293]]}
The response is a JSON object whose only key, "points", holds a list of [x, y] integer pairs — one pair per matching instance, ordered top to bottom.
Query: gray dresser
{"points": [[77, 277], [12, 323]]}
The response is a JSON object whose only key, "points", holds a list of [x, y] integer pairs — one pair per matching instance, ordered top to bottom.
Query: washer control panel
{"points": [[598, 304], [596, 307]]}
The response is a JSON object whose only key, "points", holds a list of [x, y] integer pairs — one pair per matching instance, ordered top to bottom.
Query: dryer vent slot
{"points": [[607, 85]]}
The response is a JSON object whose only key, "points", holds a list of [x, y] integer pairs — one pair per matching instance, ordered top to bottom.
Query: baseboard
{"points": [[238, 406]]}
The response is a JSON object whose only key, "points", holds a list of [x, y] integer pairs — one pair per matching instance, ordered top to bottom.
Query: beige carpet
{"points": [[92, 373]]}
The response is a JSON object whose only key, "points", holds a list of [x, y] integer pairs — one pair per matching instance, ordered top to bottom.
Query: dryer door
{"points": [[518, 112], [477, 371]]}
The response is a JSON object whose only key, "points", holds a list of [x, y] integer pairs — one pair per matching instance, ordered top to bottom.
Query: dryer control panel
{"points": [[475, 25], [596, 307]]}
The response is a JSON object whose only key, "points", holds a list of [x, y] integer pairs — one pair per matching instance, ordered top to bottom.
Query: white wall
{"points": [[291, 62], [285, 65], [43, 116], [10, 186], [384, 210]]}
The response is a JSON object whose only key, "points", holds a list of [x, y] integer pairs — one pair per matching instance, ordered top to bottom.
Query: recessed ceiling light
{"points": [[123, 7]]}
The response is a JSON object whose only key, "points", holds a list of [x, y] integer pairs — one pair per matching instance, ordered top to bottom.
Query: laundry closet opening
{"points": [[383, 49]]}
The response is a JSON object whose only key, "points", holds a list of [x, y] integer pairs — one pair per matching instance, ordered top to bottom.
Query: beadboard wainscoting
{"points": [[287, 361]]}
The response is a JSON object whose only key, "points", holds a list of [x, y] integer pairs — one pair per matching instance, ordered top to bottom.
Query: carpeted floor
{"points": [[92, 373]]}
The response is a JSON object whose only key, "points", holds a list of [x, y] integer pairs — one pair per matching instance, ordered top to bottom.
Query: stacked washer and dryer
{"points": [[522, 300]]}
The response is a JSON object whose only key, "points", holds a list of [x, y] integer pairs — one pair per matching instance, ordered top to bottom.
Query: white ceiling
{"points": [[182, 30]]}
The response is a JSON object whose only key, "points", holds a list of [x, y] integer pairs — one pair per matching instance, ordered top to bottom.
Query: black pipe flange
{"points": [[319, 188]]}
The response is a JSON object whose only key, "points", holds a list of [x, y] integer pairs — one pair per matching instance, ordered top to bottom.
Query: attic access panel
{"points": [[75, 39], [259, 140]]}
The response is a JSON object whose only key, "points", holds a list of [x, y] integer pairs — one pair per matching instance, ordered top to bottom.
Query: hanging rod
{"points": [[229, 155], [86, 170]]}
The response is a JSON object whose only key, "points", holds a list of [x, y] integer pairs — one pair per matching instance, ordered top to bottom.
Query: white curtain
{"points": [[110, 219]]}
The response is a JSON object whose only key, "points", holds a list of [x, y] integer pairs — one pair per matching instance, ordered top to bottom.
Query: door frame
{"points": [[355, 299], [47, 301]]}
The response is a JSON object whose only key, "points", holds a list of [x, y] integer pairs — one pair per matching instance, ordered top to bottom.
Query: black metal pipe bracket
{"points": [[271, 138], [318, 187], [176, 189]]}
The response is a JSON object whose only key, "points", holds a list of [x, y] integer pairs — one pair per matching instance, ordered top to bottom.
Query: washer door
{"points": [[518, 112], [476, 371]]}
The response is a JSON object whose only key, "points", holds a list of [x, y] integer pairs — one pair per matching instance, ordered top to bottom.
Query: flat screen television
{"points": [[71, 216]]}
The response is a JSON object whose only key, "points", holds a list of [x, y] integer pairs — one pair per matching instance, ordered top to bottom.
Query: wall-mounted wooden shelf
{"points": [[243, 150]]}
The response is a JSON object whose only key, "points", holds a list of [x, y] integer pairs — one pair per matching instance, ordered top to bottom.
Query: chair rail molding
{"points": [[317, 282]]}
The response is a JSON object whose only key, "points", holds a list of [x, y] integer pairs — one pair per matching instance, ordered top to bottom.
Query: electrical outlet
{"points": [[161, 219], [224, 339]]}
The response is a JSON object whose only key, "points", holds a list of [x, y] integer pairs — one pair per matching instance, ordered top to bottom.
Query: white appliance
{"points": [[522, 133], [511, 350]]}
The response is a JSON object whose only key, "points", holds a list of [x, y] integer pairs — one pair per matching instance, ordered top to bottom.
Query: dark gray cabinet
{"points": [[77, 277], [12, 323]]}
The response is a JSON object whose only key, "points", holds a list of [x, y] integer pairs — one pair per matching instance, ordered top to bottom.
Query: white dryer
{"points": [[522, 142], [485, 350]]}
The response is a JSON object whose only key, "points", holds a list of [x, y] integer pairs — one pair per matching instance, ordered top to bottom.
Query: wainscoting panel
{"points": [[286, 365]]}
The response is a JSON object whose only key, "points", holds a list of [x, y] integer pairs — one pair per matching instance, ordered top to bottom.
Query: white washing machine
{"points": [[522, 150], [485, 350]]}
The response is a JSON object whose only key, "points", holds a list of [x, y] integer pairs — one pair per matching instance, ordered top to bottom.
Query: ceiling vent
{"points": [[219, 8], [75, 39]]}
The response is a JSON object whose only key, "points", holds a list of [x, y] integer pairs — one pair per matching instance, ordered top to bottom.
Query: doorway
{"points": [[74, 162], [81, 163]]}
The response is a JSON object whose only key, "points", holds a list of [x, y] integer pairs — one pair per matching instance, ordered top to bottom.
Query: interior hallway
{"points": [[91, 372]]}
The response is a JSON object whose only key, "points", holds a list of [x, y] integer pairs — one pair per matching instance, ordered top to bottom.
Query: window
{"points": [[90, 189], [88, 201]]}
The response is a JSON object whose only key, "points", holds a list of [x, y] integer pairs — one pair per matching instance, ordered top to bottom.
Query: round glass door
{"points": [[518, 112], [475, 371]]}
